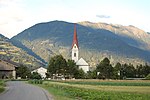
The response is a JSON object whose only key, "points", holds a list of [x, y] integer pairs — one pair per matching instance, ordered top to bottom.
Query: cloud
{"points": [[6, 3], [103, 16], [12, 17]]}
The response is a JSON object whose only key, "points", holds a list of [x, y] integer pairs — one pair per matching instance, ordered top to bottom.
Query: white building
{"points": [[81, 63], [42, 71]]}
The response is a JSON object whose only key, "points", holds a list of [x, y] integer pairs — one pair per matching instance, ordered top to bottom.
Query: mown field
{"points": [[2, 84], [99, 89]]}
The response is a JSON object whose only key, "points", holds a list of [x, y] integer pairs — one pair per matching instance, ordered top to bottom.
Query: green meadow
{"points": [[98, 89]]}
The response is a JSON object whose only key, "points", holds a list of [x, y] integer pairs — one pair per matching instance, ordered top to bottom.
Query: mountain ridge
{"points": [[127, 33], [55, 37], [12, 53]]}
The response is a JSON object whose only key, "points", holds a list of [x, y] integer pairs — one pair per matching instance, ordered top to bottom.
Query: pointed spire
{"points": [[75, 39]]}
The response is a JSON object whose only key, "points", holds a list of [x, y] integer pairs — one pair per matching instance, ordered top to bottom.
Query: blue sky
{"points": [[17, 15]]}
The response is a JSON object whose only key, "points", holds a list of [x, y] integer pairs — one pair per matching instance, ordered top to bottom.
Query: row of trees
{"points": [[58, 66], [121, 71]]}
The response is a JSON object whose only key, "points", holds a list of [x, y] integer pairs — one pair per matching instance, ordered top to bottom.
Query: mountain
{"points": [[129, 34], [2, 37], [96, 41], [10, 52]]}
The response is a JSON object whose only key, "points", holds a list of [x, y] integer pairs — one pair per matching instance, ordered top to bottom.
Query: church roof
{"points": [[75, 39], [82, 62]]}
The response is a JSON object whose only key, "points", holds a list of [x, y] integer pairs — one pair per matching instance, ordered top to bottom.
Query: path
{"points": [[18, 90]]}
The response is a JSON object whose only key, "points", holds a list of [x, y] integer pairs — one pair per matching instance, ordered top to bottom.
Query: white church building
{"points": [[81, 63]]}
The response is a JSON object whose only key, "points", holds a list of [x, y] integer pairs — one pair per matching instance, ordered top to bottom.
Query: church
{"points": [[81, 63]]}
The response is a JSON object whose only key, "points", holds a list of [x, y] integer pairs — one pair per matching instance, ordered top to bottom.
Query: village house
{"points": [[7, 69], [42, 71]]}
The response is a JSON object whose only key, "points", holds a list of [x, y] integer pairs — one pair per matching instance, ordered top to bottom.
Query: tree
{"points": [[57, 65], [51, 68], [105, 68], [72, 69], [117, 70], [146, 70], [128, 71], [139, 71], [142, 71], [23, 72], [131, 72], [79, 74], [92, 74], [35, 75], [148, 77]]}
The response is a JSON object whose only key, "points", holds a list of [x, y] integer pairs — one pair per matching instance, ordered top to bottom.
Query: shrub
{"points": [[35, 75], [148, 77], [35, 81], [2, 84]]}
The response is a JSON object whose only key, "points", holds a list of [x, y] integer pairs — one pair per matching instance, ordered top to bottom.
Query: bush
{"points": [[35, 75], [148, 77], [35, 81], [2, 84]]}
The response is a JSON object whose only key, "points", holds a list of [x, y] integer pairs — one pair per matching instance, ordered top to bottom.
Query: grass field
{"points": [[109, 82], [2, 84], [99, 89]]}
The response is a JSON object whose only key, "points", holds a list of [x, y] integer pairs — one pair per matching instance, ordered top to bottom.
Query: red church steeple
{"points": [[75, 39]]}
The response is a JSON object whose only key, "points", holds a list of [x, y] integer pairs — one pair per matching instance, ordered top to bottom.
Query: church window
{"points": [[74, 46], [74, 54]]}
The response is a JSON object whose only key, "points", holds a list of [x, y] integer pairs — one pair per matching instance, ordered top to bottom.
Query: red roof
{"points": [[75, 39]]}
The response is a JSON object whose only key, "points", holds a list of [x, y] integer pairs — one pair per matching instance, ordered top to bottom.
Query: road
{"points": [[22, 91]]}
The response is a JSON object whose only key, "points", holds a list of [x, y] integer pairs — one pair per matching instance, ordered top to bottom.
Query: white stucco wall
{"points": [[75, 50], [83, 65], [84, 68], [42, 71], [14, 74]]}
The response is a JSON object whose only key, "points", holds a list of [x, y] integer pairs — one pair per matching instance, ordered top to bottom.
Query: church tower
{"points": [[75, 46]]}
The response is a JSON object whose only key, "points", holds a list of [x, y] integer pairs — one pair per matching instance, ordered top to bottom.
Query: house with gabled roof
{"points": [[7, 69]]}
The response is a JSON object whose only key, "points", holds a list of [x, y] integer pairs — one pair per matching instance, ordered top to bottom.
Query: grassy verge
{"points": [[2, 84], [90, 92], [56, 93]]}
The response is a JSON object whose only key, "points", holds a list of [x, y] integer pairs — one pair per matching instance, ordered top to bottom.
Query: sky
{"points": [[18, 15]]}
